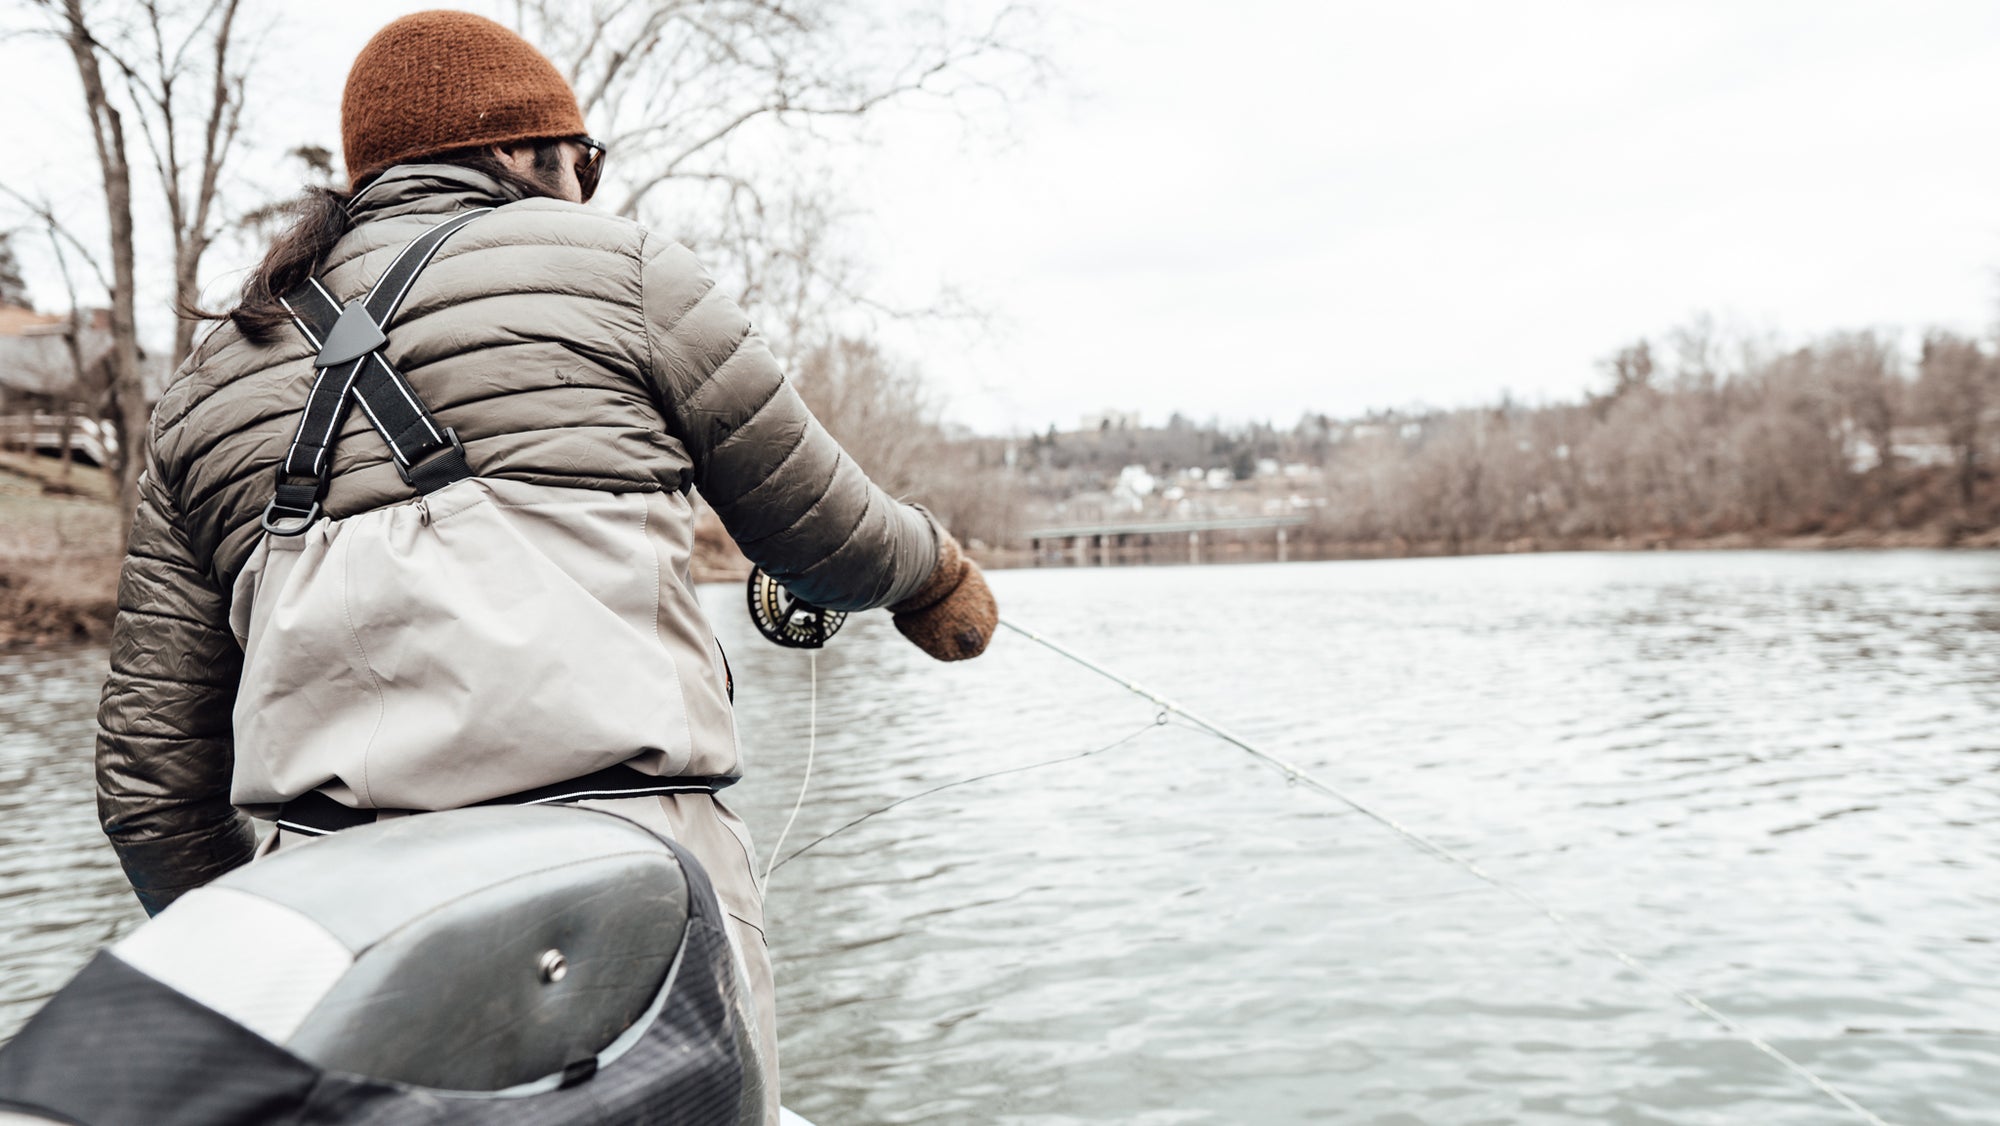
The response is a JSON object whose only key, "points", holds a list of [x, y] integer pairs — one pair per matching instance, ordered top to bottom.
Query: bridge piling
{"points": [[1108, 543]]}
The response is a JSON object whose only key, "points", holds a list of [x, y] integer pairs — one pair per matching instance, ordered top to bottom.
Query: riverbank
{"points": [[1943, 535], [59, 549], [1297, 550]]}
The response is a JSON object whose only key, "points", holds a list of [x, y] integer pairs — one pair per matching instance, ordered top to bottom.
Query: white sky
{"points": [[1257, 209]]}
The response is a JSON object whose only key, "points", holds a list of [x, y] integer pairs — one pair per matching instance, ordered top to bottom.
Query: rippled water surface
{"points": [[1774, 778]]}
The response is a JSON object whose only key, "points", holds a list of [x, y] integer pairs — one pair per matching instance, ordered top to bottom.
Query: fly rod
{"points": [[795, 624], [1580, 938]]}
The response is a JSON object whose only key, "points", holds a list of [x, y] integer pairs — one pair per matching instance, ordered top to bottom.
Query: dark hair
{"points": [[321, 217]]}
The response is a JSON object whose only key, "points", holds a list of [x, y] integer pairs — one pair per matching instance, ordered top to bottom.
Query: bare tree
{"points": [[186, 71], [177, 72], [720, 115], [107, 133], [320, 169], [13, 286], [1697, 346], [78, 347], [1861, 366], [1630, 370], [1954, 386], [881, 414], [886, 418]]}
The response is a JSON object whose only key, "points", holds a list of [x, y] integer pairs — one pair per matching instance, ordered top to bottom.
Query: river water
{"points": [[1773, 778]]}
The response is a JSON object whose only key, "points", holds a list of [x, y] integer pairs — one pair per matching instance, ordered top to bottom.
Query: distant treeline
{"points": [[1842, 435], [1704, 436]]}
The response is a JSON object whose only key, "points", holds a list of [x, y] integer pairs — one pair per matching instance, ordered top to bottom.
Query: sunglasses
{"points": [[589, 167]]}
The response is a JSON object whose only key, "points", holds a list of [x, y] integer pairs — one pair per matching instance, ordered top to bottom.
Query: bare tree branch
{"points": [[700, 99], [44, 213]]}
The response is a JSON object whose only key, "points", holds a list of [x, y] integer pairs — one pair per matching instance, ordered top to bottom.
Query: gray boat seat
{"points": [[471, 950]]}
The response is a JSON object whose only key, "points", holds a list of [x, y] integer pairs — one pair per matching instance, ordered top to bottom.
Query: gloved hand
{"points": [[952, 616]]}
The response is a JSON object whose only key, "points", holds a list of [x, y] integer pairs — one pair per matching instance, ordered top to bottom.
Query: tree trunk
{"points": [[108, 132], [192, 232], [68, 436]]}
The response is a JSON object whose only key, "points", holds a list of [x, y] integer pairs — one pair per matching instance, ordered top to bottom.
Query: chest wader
{"points": [[350, 368], [472, 649], [515, 966]]}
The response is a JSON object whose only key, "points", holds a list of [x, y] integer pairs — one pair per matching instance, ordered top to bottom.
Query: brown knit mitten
{"points": [[952, 616]]}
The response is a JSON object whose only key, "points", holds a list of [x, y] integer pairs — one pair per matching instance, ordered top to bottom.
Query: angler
{"points": [[475, 589]]}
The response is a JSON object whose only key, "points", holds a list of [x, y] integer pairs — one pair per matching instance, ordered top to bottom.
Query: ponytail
{"points": [[319, 219]]}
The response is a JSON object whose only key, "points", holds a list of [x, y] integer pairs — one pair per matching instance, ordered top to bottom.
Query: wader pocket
{"points": [[454, 649]]}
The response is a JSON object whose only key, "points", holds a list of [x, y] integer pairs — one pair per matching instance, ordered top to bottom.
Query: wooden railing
{"points": [[90, 441]]}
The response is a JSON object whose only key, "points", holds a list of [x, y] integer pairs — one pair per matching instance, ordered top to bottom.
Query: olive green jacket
{"points": [[569, 349]]}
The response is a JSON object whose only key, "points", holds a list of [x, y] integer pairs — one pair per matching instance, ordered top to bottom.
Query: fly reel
{"points": [[788, 621]]}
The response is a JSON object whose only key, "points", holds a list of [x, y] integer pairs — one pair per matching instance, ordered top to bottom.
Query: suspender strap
{"points": [[352, 368]]}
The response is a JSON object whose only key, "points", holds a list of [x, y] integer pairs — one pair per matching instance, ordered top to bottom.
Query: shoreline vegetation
{"points": [[1722, 444], [60, 555]]}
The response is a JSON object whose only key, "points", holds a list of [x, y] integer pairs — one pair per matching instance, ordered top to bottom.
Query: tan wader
{"points": [[487, 638], [719, 839]]}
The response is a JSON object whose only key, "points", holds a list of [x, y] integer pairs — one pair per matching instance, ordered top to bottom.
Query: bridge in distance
{"points": [[1116, 538]]}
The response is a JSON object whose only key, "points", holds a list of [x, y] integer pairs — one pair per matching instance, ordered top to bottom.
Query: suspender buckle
{"points": [[439, 468]]}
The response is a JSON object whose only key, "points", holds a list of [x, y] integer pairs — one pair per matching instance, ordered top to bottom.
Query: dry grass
{"points": [[59, 552]]}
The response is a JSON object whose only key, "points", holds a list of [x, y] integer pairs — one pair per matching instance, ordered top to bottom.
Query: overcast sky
{"points": [[1258, 209]]}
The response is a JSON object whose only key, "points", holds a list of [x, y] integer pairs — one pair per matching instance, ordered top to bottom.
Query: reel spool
{"points": [[788, 621]]}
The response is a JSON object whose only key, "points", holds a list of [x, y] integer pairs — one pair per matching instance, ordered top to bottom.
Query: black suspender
{"points": [[350, 368]]}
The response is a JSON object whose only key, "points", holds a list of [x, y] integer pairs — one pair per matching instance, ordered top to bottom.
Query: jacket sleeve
{"points": [[793, 500], [164, 747]]}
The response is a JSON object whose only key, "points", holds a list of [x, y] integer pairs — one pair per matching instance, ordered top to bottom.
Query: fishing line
{"points": [[1157, 721], [812, 741], [1580, 938]]}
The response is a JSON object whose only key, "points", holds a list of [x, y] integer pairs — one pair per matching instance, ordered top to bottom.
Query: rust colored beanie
{"points": [[434, 81]]}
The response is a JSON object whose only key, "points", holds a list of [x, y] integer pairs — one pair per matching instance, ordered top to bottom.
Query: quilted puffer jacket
{"points": [[568, 349]]}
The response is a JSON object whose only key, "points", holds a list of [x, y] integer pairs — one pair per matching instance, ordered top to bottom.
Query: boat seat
{"points": [[470, 950]]}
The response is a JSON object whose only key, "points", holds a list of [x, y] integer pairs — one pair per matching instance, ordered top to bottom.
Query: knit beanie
{"points": [[438, 80]]}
